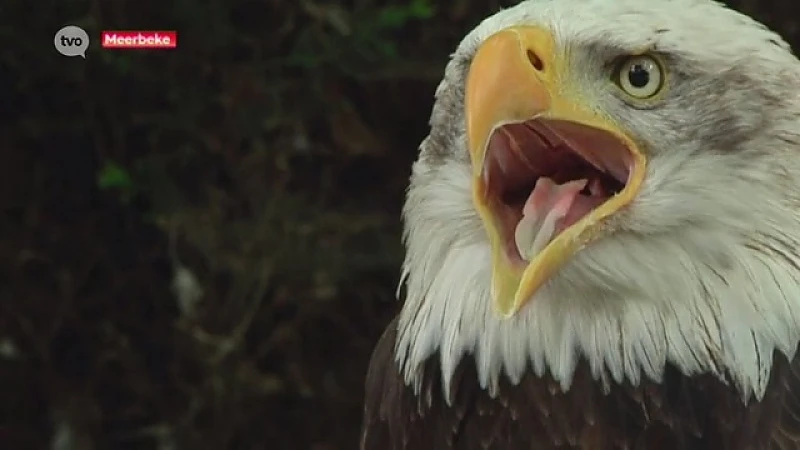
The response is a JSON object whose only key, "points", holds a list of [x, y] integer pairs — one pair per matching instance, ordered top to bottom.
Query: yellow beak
{"points": [[518, 75]]}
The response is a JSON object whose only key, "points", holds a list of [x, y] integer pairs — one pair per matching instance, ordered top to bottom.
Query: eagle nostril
{"points": [[536, 62]]}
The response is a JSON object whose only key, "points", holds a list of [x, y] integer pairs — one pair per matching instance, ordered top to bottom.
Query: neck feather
{"points": [[627, 313]]}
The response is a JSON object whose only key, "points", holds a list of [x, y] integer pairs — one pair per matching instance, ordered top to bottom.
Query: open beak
{"points": [[547, 169]]}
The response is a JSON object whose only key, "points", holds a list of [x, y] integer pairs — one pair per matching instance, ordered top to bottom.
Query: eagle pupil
{"points": [[638, 76]]}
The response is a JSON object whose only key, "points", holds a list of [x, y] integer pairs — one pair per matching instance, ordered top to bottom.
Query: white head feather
{"points": [[701, 271]]}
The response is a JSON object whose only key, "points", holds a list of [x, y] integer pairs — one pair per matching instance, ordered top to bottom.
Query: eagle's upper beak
{"points": [[548, 168]]}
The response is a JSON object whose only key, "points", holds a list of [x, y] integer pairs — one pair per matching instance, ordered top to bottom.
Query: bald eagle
{"points": [[602, 238]]}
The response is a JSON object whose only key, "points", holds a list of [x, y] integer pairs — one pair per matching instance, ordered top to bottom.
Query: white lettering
{"points": [[154, 40]]}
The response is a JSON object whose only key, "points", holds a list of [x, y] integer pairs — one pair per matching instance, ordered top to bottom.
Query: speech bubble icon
{"points": [[72, 41]]}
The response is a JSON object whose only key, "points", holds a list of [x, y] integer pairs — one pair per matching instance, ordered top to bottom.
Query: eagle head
{"points": [[613, 181]]}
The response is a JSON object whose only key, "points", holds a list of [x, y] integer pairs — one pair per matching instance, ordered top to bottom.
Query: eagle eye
{"points": [[641, 76]]}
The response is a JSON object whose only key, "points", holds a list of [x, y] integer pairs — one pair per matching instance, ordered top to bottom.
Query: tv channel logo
{"points": [[72, 41]]}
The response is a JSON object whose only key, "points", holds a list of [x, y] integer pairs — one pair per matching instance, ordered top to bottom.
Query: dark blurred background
{"points": [[199, 247]]}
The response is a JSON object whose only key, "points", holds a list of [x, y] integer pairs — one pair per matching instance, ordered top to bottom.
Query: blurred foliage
{"points": [[346, 40], [112, 176], [200, 246]]}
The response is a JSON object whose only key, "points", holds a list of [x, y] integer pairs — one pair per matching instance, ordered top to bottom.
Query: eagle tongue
{"points": [[548, 203]]}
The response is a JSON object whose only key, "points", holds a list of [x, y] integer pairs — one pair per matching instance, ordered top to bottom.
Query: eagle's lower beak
{"points": [[521, 116]]}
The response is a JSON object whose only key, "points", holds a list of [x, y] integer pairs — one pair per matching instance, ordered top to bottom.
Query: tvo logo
{"points": [[71, 41]]}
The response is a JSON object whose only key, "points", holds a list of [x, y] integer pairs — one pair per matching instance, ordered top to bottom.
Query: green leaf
{"points": [[421, 9], [392, 17], [114, 176]]}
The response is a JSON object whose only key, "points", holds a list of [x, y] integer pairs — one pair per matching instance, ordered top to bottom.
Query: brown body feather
{"points": [[680, 413]]}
